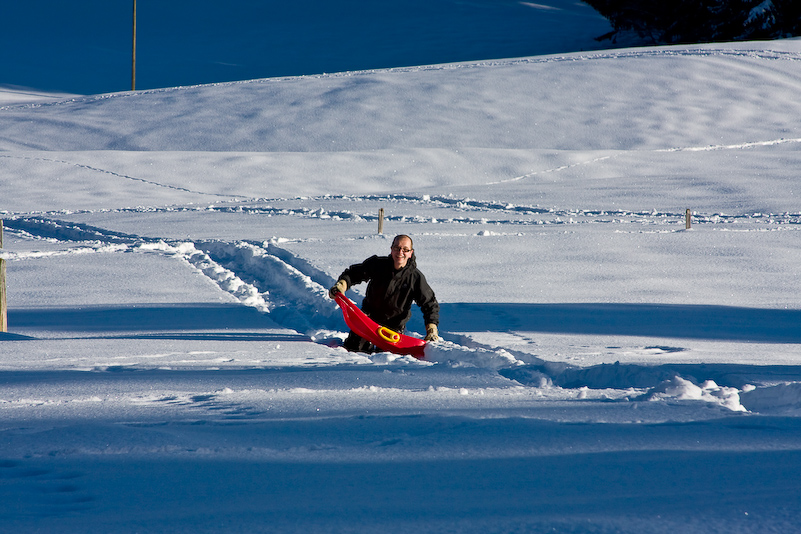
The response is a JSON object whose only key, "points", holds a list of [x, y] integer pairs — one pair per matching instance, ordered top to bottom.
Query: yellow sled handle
{"points": [[388, 335]]}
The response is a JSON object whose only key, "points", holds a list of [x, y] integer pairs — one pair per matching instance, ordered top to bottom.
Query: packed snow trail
{"points": [[485, 213], [294, 294]]}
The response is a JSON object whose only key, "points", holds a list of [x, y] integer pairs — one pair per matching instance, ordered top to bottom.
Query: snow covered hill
{"points": [[172, 366]]}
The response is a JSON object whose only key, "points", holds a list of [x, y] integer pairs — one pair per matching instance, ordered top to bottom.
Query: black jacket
{"points": [[389, 296]]}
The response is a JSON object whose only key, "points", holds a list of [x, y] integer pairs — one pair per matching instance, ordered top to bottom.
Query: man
{"points": [[394, 282]]}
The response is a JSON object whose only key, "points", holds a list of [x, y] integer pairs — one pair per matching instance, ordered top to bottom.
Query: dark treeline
{"points": [[699, 21]]}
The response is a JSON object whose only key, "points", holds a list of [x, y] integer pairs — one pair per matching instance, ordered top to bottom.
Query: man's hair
{"points": [[401, 236]]}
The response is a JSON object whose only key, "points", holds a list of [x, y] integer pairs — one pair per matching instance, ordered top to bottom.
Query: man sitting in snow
{"points": [[394, 283]]}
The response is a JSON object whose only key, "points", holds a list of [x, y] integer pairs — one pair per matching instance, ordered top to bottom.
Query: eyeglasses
{"points": [[404, 250]]}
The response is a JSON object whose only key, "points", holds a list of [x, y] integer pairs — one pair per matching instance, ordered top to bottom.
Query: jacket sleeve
{"points": [[358, 272], [427, 301]]}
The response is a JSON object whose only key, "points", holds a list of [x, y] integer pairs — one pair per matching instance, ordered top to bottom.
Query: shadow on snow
{"points": [[154, 321], [721, 323]]}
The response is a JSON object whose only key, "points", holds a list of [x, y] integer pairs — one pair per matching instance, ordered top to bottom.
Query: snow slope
{"points": [[171, 364]]}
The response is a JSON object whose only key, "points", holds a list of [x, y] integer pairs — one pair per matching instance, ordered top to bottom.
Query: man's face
{"points": [[401, 252]]}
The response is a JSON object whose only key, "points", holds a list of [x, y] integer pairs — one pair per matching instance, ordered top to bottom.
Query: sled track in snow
{"points": [[260, 275], [292, 291], [294, 295]]}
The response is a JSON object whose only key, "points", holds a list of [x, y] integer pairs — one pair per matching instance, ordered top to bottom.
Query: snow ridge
{"points": [[660, 52]]}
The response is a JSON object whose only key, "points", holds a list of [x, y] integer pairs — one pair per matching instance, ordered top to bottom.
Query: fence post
{"points": [[133, 54], [688, 220], [380, 221], [3, 312]]}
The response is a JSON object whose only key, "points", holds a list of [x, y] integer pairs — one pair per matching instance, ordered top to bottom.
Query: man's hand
{"points": [[340, 287], [431, 332]]}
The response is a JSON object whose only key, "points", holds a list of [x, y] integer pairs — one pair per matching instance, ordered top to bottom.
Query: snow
{"points": [[172, 364]]}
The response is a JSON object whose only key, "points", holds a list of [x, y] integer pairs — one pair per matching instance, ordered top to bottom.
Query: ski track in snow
{"points": [[710, 148], [111, 173], [294, 294]]}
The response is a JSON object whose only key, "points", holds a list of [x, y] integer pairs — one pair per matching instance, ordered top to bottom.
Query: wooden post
{"points": [[133, 57], [688, 220], [380, 221], [3, 312]]}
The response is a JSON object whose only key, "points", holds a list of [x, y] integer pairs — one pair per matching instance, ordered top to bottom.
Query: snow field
{"points": [[172, 361]]}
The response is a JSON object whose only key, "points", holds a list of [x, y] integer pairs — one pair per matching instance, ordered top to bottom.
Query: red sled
{"points": [[380, 336]]}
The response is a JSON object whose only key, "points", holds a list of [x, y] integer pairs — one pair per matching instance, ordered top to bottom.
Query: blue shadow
{"points": [[145, 317], [648, 320], [721, 323]]}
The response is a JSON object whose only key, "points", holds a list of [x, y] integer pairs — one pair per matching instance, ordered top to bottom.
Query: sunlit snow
{"points": [[172, 360]]}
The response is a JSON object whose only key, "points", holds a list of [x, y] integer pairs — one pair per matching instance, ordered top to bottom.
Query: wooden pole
{"points": [[133, 58], [688, 220], [380, 221], [3, 311]]}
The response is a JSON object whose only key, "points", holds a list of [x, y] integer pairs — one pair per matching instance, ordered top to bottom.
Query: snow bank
{"points": [[458, 355], [679, 389], [782, 399]]}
